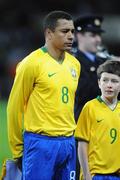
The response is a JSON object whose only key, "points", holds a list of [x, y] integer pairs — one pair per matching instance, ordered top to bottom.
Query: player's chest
{"points": [[53, 75]]}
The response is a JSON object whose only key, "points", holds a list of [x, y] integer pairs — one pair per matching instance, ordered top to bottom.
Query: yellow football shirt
{"points": [[43, 95], [100, 127]]}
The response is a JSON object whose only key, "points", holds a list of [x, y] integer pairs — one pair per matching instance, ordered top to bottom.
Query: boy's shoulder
{"points": [[93, 101], [93, 104]]}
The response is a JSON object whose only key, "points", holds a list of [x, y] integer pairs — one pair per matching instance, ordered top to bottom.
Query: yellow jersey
{"points": [[43, 95], [100, 127]]}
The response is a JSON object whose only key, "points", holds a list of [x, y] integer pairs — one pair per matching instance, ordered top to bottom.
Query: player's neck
{"points": [[56, 54], [111, 103]]}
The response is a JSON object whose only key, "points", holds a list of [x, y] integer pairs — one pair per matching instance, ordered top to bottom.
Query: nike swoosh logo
{"points": [[51, 74], [99, 120]]}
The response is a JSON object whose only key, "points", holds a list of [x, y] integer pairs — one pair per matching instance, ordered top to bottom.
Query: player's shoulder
{"points": [[36, 54], [34, 57], [72, 58], [30, 61], [92, 103]]}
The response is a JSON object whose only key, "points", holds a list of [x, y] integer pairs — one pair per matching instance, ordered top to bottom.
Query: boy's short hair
{"points": [[50, 20], [110, 66]]}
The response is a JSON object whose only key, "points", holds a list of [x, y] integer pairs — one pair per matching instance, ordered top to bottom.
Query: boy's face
{"points": [[109, 85]]}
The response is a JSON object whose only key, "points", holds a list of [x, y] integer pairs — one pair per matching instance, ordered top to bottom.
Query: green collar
{"points": [[44, 49], [99, 99]]}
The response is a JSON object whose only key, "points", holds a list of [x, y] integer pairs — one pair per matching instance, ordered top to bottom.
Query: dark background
{"points": [[21, 29]]}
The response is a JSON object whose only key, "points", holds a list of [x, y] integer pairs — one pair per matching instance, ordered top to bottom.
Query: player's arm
{"points": [[21, 90], [83, 159]]}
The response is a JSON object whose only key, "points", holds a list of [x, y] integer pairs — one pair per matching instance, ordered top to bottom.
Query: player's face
{"points": [[62, 37], [89, 41], [109, 85]]}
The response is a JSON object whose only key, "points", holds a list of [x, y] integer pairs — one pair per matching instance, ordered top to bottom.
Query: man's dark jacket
{"points": [[88, 84]]}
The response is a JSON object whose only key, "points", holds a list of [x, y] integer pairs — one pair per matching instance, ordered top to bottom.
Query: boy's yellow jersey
{"points": [[43, 95], [100, 127]]}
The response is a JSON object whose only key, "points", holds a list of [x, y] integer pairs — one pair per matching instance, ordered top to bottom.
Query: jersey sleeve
{"points": [[21, 90], [83, 125]]}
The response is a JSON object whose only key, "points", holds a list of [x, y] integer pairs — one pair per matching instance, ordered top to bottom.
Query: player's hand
{"points": [[19, 163]]}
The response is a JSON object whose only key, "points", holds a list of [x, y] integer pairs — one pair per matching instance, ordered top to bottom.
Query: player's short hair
{"points": [[50, 20], [109, 66]]}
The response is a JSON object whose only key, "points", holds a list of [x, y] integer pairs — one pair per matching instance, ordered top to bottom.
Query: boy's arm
{"points": [[83, 159]]}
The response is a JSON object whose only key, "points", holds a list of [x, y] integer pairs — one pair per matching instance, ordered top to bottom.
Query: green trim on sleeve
{"points": [[81, 139]]}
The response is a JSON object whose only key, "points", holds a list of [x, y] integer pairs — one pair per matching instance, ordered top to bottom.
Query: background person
{"points": [[88, 36], [88, 41]]}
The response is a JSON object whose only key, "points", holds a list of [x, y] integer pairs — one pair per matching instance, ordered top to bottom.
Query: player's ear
{"points": [[48, 33]]}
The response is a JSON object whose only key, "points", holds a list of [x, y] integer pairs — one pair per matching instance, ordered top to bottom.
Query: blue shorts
{"points": [[48, 158], [106, 177]]}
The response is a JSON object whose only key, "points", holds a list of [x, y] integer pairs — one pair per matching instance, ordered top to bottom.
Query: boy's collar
{"points": [[99, 99]]}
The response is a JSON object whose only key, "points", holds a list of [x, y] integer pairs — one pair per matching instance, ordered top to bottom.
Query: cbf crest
{"points": [[73, 72]]}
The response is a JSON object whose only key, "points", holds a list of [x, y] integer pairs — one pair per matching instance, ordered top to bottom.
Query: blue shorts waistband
{"points": [[47, 137]]}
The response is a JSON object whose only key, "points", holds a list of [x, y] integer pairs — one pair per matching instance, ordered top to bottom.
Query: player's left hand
{"points": [[19, 163]]}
